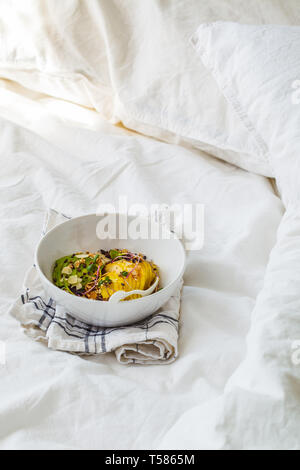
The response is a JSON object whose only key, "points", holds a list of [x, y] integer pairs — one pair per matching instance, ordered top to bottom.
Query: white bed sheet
{"points": [[55, 400]]}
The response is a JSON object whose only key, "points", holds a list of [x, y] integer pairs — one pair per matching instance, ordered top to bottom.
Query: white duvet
{"points": [[219, 393]]}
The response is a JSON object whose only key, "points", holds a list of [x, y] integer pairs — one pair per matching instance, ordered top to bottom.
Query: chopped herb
{"points": [[115, 253], [93, 265], [90, 267], [124, 274], [106, 281]]}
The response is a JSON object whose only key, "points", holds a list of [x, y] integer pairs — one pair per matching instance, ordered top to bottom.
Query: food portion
{"points": [[99, 275]]}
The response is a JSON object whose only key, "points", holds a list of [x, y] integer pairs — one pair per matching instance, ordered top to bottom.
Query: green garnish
{"points": [[115, 253], [59, 265], [93, 265], [90, 267], [85, 270], [124, 274], [105, 281]]}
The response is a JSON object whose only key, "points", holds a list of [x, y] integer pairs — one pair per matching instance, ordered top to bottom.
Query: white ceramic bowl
{"points": [[83, 234]]}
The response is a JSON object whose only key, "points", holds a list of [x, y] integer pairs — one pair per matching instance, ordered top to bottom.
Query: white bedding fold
{"points": [[235, 384], [53, 400], [260, 406]]}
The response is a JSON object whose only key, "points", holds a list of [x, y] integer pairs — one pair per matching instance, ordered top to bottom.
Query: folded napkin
{"points": [[151, 341]]}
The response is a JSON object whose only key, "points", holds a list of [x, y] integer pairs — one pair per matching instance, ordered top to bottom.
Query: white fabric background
{"points": [[256, 67], [261, 95], [72, 160], [54, 400]]}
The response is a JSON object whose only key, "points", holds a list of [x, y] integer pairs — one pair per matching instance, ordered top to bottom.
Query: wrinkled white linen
{"points": [[132, 61], [257, 69], [223, 391], [56, 400], [260, 405]]}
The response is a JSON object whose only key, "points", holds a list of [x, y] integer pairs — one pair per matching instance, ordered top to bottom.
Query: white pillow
{"points": [[57, 48], [132, 61], [258, 70], [164, 91]]}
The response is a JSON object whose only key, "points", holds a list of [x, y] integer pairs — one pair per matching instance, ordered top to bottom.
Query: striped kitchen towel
{"points": [[151, 341]]}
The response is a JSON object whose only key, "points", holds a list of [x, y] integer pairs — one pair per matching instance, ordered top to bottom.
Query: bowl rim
{"points": [[94, 301]]}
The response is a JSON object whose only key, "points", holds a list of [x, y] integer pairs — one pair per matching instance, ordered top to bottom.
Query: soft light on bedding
{"points": [[133, 62], [257, 69], [72, 75], [44, 393]]}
